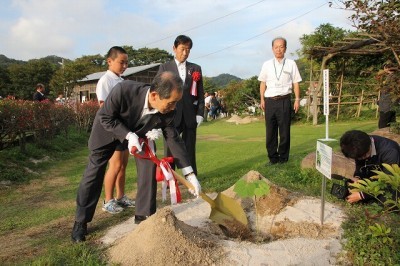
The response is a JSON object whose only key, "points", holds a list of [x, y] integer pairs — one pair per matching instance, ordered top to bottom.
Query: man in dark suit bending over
{"points": [[130, 111]]}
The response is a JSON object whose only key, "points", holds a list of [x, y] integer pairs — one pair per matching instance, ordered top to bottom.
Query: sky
{"points": [[229, 36]]}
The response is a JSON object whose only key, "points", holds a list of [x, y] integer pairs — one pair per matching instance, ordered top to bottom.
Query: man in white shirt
{"points": [[278, 78], [207, 104]]}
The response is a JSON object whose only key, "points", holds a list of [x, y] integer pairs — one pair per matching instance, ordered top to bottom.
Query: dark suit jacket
{"points": [[37, 96], [186, 110], [121, 114], [387, 151]]}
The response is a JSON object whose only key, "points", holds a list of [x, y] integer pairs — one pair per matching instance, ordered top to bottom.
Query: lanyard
{"points": [[280, 74]]}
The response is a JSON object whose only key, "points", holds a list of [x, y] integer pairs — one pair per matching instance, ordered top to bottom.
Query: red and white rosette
{"points": [[195, 78]]}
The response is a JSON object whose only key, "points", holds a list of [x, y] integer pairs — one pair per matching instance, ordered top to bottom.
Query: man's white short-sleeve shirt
{"points": [[279, 76]]}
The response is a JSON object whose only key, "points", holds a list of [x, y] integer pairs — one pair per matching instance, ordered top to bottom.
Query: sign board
{"points": [[326, 91], [323, 159]]}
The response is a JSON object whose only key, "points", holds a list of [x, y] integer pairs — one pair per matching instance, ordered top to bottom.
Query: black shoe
{"points": [[283, 161], [139, 219], [79, 232]]}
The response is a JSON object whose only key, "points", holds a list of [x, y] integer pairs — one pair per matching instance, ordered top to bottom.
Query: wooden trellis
{"points": [[348, 47]]}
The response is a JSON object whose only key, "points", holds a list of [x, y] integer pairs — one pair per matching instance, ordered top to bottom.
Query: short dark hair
{"points": [[279, 38], [183, 39], [115, 51], [165, 82], [39, 86], [355, 144]]}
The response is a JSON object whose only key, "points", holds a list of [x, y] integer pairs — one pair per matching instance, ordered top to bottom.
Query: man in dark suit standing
{"points": [[39, 94], [190, 109], [130, 111]]}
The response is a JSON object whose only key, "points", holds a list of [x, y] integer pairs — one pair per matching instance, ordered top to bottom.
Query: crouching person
{"points": [[369, 153]]}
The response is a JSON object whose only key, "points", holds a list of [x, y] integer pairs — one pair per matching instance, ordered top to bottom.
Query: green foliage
{"points": [[376, 17], [324, 35], [146, 56], [5, 61], [24, 77], [66, 77], [5, 82], [219, 82], [239, 95], [85, 114], [42, 120], [13, 172], [392, 181], [371, 187], [254, 188], [381, 233], [379, 237], [367, 241], [78, 254]]}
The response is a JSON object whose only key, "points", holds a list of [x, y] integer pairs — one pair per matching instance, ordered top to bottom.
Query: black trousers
{"points": [[385, 118], [277, 122], [189, 138], [90, 187]]}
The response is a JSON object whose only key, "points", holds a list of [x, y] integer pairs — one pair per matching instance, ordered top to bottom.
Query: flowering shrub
{"points": [[84, 115], [20, 119], [15, 120]]}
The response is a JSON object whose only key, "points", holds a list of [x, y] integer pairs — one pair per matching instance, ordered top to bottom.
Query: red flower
{"points": [[196, 76]]}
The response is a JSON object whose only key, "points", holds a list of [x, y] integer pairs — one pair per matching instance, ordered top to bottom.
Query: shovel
{"points": [[225, 211]]}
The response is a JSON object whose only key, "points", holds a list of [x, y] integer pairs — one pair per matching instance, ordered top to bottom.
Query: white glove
{"points": [[199, 119], [133, 143], [195, 183]]}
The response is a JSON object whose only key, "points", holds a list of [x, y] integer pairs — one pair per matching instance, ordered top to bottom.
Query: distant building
{"points": [[86, 88]]}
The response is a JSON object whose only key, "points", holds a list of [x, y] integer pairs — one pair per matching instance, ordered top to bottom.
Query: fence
{"points": [[364, 99]]}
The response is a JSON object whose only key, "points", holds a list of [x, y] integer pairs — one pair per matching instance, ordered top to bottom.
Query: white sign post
{"points": [[326, 102], [323, 163]]}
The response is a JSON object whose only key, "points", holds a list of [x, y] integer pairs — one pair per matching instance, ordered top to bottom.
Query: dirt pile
{"points": [[238, 120], [164, 240]]}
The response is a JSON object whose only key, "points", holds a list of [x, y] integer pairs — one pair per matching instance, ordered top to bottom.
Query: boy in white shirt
{"points": [[117, 60]]}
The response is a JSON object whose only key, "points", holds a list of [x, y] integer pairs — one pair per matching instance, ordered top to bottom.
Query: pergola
{"points": [[362, 44]]}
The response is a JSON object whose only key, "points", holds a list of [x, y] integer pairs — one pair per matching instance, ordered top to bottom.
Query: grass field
{"points": [[37, 215]]}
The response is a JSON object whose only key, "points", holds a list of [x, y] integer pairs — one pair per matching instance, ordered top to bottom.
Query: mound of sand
{"points": [[238, 120], [164, 240]]}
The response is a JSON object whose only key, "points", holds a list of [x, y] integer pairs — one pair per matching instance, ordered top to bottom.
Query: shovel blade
{"points": [[227, 210]]}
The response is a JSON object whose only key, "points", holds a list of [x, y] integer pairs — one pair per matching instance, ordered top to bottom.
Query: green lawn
{"points": [[36, 218]]}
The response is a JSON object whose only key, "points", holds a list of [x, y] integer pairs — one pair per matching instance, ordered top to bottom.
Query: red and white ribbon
{"points": [[196, 76], [193, 89], [163, 172]]}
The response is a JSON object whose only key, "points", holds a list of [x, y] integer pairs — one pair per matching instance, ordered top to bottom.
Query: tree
{"points": [[378, 19], [324, 36], [146, 56], [93, 63], [67, 76], [24, 77], [5, 82], [208, 85], [241, 94]]}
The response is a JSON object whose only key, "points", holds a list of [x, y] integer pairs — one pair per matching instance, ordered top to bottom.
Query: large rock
{"points": [[385, 132], [340, 164]]}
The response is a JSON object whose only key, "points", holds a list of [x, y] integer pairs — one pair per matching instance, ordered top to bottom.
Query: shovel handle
{"points": [[190, 186]]}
